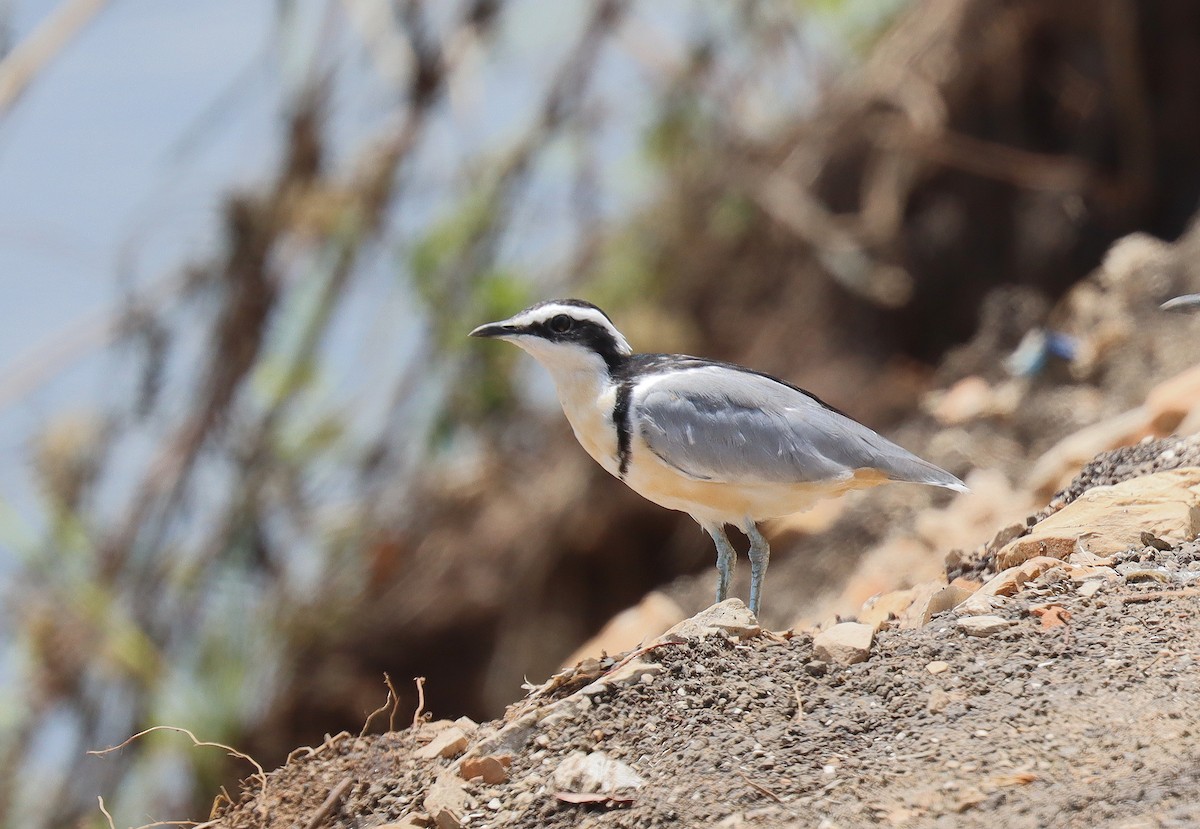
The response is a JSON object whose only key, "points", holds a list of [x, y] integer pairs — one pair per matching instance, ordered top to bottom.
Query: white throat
{"points": [[586, 392]]}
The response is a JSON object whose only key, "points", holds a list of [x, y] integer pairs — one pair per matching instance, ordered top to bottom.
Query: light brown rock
{"points": [[1110, 519], [1008, 582], [970, 585], [932, 602], [879, 609], [916, 615], [731, 618], [982, 625], [845, 643], [940, 699], [446, 744], [491, 769], [447, 801]]}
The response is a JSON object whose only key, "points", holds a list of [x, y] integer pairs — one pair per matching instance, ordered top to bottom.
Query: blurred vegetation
{"points": [[306, 475]]}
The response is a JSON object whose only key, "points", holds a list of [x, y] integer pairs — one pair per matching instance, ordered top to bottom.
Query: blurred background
{"points": [[250, 460]]}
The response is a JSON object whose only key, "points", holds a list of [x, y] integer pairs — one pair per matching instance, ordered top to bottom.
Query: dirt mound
{"points": [[1072, 707]]}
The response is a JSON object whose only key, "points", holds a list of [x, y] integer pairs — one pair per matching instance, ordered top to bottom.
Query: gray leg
{"points": [[760, 557], [726, 560]]}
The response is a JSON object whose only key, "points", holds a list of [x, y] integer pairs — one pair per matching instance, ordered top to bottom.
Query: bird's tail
{"points": [[902, 466], [917, 471]]}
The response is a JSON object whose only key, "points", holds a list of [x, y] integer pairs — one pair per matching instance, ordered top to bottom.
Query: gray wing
{"points": [[723, 424]]}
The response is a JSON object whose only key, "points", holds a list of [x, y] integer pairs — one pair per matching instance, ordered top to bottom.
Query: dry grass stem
{"points": [[416, 721], [233, 752], [330, 803]]}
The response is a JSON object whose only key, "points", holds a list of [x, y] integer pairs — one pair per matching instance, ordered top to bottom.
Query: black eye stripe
{"points": [[560, 324]]}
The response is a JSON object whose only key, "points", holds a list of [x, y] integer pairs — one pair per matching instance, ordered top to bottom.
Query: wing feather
{"points": [[721, 423]]}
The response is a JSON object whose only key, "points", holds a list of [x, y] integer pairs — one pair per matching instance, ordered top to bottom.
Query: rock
{"points": [[1111, 519], [1006, 535], [1008, 582], [970, 585], [931, 602], [979, 604], [879, 609], [917, 613], [730, 618], [982, 625], [631, 627], [845, 643], [938, 667], [816, 668], [939, 699], [512, 737], [446, 744], [491, 768], [595, 772], [447, 801]]}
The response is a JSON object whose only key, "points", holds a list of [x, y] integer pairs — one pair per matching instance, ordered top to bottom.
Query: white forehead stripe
{"points": [[544, 313]]}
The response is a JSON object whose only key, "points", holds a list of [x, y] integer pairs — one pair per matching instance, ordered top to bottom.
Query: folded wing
{"points": [[721, 423]]}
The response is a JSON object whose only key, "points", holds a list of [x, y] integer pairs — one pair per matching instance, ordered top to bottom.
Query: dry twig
{"points": [[420, 680], [388, 701], [233, 752], [761, 789], [329, 804]]}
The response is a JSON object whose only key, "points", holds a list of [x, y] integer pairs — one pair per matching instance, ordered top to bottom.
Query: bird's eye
{"points": [[561, 324]]}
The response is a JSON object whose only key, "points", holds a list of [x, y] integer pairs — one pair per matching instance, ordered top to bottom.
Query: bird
{"points": [[728, 445]]}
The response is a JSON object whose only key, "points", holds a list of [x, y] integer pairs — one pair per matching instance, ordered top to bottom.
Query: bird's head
{"points": [[564, 335]]}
